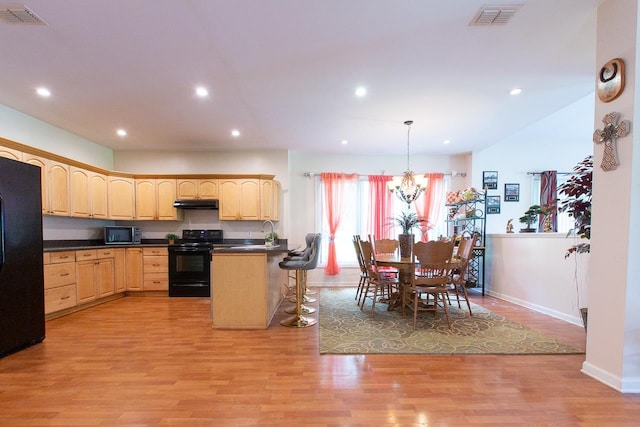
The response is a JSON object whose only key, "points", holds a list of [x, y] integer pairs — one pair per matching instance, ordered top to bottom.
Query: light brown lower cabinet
{"points": [[133, 267], [156, 269], [94, 274], [75, 278], [59, 281]]}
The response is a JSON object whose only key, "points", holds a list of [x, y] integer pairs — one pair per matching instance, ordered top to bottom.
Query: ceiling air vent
{"points": [[19, 15], [495, 15]]}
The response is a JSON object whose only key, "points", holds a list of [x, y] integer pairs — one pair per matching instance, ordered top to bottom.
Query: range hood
{"points": [[196, 204]]}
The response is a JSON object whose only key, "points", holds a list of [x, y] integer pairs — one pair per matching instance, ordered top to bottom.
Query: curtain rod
{"points": [[540, 173], [452, 174]]}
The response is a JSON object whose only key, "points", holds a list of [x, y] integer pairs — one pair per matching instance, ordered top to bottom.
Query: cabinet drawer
{"points": [[154, 251], [105, 253], [86, 255], [58, 257], [156, 264], [56, 275], [156, 282], [59, 298]]}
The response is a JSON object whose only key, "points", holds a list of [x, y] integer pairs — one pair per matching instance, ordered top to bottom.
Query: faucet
{"points": [[272, 226]]}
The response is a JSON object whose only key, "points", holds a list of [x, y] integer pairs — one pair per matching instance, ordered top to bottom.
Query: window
{"points": [[355, 217], [565, 222]]}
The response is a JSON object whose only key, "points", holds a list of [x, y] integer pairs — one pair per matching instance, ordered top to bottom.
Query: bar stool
{"points": [[297, 256], [301, 266]]}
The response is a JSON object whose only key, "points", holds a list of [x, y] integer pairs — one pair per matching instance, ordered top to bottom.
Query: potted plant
{"points": [[577, 203], [530, 217], [408, 221], [171, 238], [271, 238]]}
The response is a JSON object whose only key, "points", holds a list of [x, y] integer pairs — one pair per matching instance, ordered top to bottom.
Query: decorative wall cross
{"points": [[611, 132]]}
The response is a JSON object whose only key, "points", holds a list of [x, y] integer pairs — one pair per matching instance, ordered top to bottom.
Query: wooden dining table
{"points": [[405, 269]]}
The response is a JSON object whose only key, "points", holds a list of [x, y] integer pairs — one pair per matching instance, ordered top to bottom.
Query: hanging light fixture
{"points": [[407, 187]]}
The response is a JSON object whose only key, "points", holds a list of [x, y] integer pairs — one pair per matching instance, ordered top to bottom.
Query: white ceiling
{"points": [[283, 72]]}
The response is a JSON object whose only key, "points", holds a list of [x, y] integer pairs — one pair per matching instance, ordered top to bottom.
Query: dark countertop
{"points": [[252, 245], [252, 249]]}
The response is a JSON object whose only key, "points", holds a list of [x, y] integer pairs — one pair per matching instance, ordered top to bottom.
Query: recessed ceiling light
{"points": [[43, 91], [202, 91], [361, 91], [515, 91], [121, 132], [235, 133], [446, 141], [344, 142]]}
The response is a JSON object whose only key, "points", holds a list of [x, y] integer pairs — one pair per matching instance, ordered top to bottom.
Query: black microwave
{"points": [[116, 235]]}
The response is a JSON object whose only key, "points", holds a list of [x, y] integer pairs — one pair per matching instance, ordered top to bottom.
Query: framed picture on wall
{"points": [[490, 180], [511, 192], [493, 204]]}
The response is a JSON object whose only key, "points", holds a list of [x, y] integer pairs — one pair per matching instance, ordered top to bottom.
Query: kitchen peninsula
{"points": [[247, 286]]}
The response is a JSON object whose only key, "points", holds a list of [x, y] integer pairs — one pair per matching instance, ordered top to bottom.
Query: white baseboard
{"points": [[540, 309]]}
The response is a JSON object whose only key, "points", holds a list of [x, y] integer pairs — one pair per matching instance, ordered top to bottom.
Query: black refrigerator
{"points": [[21, 267]]}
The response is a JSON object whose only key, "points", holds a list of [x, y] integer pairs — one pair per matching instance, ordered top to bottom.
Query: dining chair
{"points": [[385, 247], [432, 268], [363, 269], [458, 278], [377, 285]]}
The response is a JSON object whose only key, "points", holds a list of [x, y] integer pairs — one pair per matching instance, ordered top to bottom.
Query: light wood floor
{"points": [[155, 361]]}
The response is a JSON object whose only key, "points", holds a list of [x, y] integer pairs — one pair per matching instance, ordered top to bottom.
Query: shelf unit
{"points": [[466, 218]]}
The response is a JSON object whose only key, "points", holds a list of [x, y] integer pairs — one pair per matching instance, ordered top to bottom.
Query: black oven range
{"points": [[190, 263]]}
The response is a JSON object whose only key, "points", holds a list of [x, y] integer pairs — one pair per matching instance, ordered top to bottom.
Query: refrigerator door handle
{"points": [[2, 258]]}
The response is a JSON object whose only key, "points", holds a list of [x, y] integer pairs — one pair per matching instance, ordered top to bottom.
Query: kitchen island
{"points": [[247, 286]]}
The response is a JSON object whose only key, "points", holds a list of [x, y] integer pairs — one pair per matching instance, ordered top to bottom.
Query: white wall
{"points": [[27, 130], [558, 142], [530, 270]]}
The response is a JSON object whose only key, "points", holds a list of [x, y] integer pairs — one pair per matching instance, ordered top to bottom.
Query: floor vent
{"points": [[20, 15], [494, 15]]}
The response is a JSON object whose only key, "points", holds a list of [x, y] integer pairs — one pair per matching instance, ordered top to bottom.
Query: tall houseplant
{"points": [[577, 203], [408, 221]]}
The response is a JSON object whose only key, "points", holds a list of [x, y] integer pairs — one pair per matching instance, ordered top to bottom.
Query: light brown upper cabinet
{"points": [[10, 153], [55, 184], [197, 189], [88, 193], [121, 197], [154, 199], [239, 199], [270, 199]]}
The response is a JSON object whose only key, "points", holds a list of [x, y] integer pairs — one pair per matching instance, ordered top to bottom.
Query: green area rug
{"points": [[345, 329]]}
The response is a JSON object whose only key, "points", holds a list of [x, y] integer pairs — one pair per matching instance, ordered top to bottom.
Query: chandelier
{"points": [[407, 187]]}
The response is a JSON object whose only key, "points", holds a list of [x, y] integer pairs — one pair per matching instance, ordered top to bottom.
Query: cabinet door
{"points": [[10, 153], [41, 163], [58, 174], [187, 188], [208, 188], [79, 190], [98, 195], [166, 195], [121, 198], [145, 199], [249, 199], [266, 199], [229, 200], [276, 201], [133, 267], [119, 271], [104, 278], [85, 281]]}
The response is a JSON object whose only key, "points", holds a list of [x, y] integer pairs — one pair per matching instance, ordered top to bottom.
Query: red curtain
{"points": [[548, 197], [428, 206], [381, 207], [333, 208]]}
